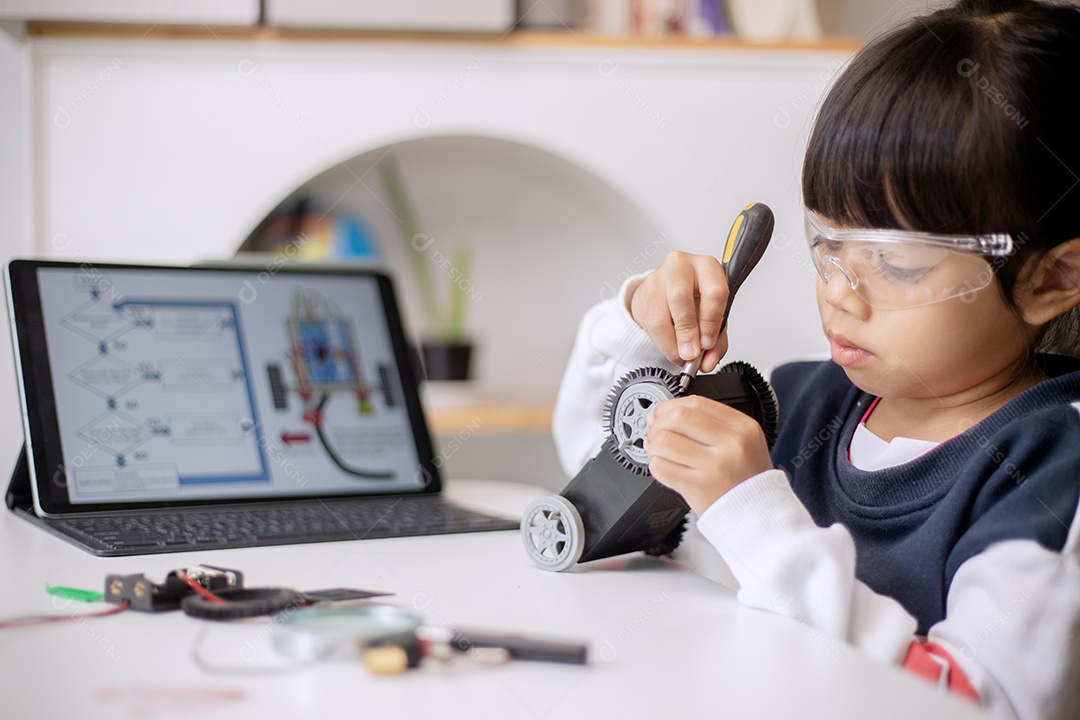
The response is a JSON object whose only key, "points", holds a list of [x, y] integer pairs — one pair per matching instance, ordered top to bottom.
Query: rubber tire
{"points": [[555, 512]]}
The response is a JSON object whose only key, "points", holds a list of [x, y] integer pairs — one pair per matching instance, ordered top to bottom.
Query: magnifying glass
{"points": [[341, 633]]}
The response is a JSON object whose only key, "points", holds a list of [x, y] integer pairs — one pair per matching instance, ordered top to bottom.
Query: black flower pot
{"points": [[446, 361]]}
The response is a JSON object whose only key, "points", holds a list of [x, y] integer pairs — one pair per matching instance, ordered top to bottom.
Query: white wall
{"points": [[174, 151], [15, 153], [572, 167]]}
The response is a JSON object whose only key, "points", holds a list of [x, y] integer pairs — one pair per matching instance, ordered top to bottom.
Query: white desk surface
{"points": [[664, 641]]}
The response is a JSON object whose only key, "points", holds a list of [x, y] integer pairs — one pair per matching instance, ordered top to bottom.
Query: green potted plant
{"points": [[445, 348]]}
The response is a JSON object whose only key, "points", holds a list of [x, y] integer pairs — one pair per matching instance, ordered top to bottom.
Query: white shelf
{"points": [[569, 38]]}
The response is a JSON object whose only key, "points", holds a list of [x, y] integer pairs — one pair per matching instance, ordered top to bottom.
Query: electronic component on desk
{"points": [[614, 506], [147, 596], [390, 639]]}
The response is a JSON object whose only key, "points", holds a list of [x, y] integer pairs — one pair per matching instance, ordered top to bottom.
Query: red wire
{"points": [[200, 589], [45, 619]]}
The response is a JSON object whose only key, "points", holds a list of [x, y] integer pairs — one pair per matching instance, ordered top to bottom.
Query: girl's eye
{"points": [[825, 245], [900, 274]]}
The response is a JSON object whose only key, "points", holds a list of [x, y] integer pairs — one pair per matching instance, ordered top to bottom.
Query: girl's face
{"points": [[936, 351]]}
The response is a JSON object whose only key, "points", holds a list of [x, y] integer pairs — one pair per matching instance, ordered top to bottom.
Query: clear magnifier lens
{"points": [[340, 633]]}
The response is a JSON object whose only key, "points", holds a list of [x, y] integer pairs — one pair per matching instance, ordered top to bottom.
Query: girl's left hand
{"points": [[701, 448]]}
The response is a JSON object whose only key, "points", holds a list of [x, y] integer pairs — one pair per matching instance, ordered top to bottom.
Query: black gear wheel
{"points": [[629, 403], [770, 408], [669, 543]]}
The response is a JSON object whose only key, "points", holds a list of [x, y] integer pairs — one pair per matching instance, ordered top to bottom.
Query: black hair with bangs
{"points": [[963, 121]]}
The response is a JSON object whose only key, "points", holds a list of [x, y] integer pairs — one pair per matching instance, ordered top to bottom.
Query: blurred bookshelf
{"points": [[522, 37]]}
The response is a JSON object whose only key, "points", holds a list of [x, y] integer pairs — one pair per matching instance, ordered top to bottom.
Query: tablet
{"points": [[153, 386]]}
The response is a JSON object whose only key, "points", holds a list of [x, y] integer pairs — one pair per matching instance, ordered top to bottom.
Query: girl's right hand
{"points": [[681, 307]]}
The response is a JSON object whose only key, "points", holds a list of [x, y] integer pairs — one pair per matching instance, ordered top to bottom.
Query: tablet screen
{"points": [[149, 385]]}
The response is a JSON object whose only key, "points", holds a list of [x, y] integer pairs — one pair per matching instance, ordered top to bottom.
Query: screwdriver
{"points": [[746, 243]]}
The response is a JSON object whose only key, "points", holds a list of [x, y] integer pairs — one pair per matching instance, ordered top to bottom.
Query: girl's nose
{"points": [[830, 264], [840, 294]]}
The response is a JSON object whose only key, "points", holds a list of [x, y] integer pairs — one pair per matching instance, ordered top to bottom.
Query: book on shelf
{"points": [[656, 18]]}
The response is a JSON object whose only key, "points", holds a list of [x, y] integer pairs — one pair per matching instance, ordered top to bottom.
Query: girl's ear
{"points": [[1052, 287]]}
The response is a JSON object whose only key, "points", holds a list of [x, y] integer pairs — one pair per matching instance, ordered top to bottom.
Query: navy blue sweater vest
{"points": [[1015, 475]]}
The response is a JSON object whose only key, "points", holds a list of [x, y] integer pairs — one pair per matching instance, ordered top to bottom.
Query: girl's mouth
{"points": [[845, 353]]}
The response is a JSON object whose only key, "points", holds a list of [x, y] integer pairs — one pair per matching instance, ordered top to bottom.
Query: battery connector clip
{"points": [[147, 596]]}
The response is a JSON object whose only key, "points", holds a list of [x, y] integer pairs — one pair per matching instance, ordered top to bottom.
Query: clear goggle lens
{"points": [[895, 269]]}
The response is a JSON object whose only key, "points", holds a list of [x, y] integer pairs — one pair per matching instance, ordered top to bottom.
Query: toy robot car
{"points": [[614, 506]]}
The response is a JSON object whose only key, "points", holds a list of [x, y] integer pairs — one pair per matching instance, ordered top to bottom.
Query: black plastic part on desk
{"points": [[523, 647]]}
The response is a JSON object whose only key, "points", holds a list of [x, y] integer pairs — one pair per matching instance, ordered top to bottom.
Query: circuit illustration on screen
{"points": [[326, 360]]}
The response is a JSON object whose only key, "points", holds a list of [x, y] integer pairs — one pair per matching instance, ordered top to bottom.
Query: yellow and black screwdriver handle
{"points": [[746, 243]]}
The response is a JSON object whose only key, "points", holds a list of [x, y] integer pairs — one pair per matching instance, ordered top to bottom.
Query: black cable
{"points": [[372, 475], [242, 603]]}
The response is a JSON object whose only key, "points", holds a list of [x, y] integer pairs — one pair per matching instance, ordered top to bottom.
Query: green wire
{"points": [[75, 593]]}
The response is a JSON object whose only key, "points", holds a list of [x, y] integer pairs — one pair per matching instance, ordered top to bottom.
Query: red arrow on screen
{"points": [[289, 438]]}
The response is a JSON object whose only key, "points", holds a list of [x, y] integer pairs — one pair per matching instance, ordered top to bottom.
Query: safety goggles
{"points": [[895, 269]]}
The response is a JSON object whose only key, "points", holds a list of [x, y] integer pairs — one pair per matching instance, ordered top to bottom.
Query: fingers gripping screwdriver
{"points": [[746, 243]]}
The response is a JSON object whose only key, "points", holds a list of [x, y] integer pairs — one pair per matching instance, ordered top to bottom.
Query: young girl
{"points": [[921, 500]]}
